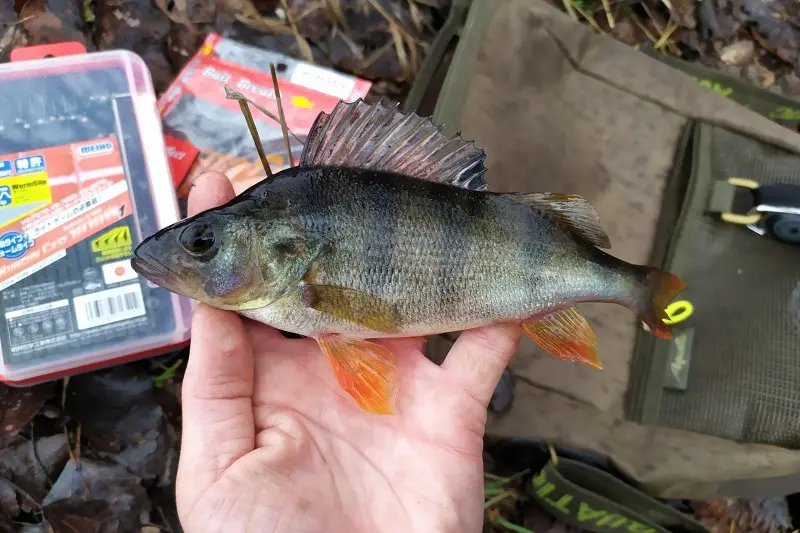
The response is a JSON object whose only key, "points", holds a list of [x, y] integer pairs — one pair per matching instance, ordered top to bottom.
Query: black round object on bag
{"points": [[784, 227]]}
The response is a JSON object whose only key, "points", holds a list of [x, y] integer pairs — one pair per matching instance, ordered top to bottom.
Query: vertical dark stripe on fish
{"points": [[481, 233], [458, 239]]}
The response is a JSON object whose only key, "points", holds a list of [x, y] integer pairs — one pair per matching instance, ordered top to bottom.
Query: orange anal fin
{"points": [[565, 334], [365, 370]]}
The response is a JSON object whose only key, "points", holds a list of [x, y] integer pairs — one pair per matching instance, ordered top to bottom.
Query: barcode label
{"points": [[107, 307]]}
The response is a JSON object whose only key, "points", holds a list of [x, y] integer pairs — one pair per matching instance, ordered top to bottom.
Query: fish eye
{"points": [[197, 239]]}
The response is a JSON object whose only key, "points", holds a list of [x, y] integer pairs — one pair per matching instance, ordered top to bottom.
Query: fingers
{"points": [[209, 190], [479, 356], [218, 386], [217, 392]]}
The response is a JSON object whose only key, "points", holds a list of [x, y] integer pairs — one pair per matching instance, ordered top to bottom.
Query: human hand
{"points": [[271, 442]]}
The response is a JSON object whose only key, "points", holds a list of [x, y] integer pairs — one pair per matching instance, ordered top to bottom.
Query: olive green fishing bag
{"points": [[689, 172]]}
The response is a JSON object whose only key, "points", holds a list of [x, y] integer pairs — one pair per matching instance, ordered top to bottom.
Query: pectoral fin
{"points": [[353, 306], [567, 335], [365, 370]]}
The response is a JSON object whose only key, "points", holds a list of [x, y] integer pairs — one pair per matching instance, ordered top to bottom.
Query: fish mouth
{"points": [[146, 269], [151, 271], [158, 273]]}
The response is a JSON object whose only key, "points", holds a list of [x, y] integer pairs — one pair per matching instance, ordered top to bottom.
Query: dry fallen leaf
{"points": [[245, 12], [50, 21], [11, 33], [738, 53], [768, 79], [18, 405], [121, 418], [100, 496]]}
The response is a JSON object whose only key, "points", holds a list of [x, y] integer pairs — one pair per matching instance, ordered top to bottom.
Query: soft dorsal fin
{"points": [[372, 136], [574, 212]]}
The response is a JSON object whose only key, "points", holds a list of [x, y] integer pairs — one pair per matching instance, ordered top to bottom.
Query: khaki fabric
{"points": [[559, 107]]}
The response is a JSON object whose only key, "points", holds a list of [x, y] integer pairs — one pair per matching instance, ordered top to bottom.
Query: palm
{"points": [[271, 443], [316, 450]]}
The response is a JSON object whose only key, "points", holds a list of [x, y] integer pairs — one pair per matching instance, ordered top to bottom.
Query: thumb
{"points": [[479, 356], [217, 388], [218, 426]]}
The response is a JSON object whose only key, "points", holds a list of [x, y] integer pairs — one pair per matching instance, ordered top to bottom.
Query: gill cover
{"points": [[228, 257]]}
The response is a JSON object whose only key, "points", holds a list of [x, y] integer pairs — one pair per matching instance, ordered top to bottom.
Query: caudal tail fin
{"points": [[657, 289]]}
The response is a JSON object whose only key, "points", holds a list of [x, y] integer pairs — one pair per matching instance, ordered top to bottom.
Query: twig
{"points": [[335, 7], [570, 9], [248, 15], [609, 15], [589, 19], [391, 20], [641, 26], [671, 27], [660, 29], [399, 35], [302, 43], [763, 43], [352, 47], [400, 48], [370, 59], [236, 95], [251, 125], [284, 128], [167, 374], [64, 394], [78, 442], [69, 446], [553, 454], [76, 458], [38, 459], [507, 480], [491, 490], [497, 499], [164, 518], [496, 519], [502, 522]]}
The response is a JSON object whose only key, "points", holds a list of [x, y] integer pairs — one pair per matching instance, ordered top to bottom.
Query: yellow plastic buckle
{"points": [[751, 218]]}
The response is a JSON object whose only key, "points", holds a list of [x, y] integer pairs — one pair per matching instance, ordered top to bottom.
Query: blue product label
{"points": [[93, 149], [28, 164], [5, 169], [5, 196], [14, 245]]}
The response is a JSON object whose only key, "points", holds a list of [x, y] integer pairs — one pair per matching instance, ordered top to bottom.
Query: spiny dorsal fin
{"points": [[372, 136], [572, 211]]}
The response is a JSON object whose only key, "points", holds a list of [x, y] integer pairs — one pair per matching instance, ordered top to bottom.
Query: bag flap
{"points": [[560, 108]]}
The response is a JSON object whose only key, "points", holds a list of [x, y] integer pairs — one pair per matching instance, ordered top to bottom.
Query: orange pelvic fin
{"points": [[565, 334], [365, 370]]}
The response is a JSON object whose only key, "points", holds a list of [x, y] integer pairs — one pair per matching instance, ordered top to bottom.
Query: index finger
{"points": [[479, 356], [218, 385]]}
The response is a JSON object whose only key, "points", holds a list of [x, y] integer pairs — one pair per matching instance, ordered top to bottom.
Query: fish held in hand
{"points": [[386, 229]]}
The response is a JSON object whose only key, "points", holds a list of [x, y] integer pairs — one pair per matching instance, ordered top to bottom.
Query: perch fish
{"points": [[385, 229]]}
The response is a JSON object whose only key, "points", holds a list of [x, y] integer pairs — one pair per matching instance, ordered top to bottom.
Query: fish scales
{"points": [[385, 229], [447, 257]]}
